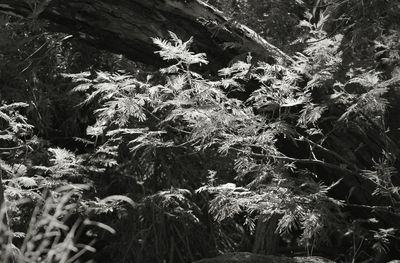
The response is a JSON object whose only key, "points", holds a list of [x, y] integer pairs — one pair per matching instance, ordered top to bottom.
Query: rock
{"points": [[245, 257]]}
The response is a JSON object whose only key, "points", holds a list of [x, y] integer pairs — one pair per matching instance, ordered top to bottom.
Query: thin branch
{"points": [[12, 148], [339, 157], [303, 161], [316, 162], [374, 207]]}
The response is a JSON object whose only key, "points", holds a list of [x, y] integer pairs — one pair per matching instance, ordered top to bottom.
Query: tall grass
{"points": [[48, 237]]}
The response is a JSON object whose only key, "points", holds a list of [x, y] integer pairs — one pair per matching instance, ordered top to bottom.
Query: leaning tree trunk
{"points": [[127, 26]]}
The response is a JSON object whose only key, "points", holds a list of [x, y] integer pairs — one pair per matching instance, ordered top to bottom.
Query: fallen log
{"points": [[127, 26]]}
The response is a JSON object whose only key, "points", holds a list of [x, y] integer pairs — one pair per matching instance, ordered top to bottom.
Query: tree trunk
{"points": [[127, 26], [3, 213], [266, 239]]}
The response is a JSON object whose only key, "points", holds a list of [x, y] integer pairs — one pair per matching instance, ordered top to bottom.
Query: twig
{"points": [[12, 148], [328, 151], [303, 161], [374, 207]]}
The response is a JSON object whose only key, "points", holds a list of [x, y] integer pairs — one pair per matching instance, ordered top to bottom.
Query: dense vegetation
{"points": [[106, 159]]}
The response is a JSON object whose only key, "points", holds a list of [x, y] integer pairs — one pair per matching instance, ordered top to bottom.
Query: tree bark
{"points": [[127, 26], [3, 213], [266, 239]]}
